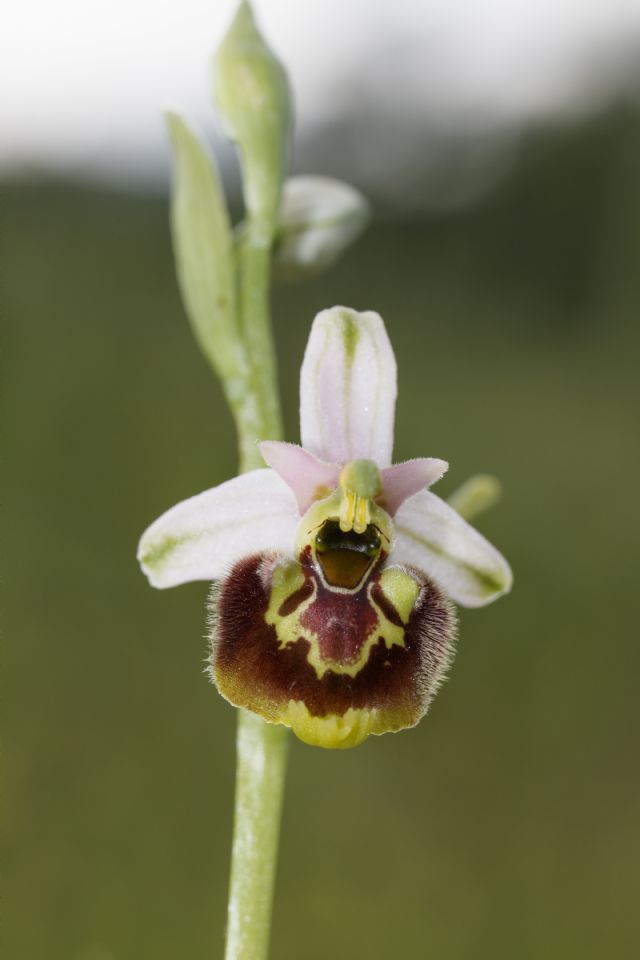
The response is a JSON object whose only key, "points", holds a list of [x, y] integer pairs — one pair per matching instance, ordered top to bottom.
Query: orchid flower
{"points": [[334, 572]]}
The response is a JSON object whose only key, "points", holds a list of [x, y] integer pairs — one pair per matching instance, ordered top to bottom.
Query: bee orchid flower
{"points": [[333, 571]]}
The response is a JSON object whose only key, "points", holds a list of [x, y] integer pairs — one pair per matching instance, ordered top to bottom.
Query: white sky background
{"points": [[83, 82]]}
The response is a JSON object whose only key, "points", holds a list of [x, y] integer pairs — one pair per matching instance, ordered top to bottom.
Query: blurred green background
{"points": [[506, 824]]}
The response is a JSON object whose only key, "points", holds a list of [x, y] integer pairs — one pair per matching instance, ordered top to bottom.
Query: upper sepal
{"points": [[348, 388]]}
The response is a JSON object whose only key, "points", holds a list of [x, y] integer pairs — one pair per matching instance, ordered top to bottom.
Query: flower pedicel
{"points": [[333, 571]]}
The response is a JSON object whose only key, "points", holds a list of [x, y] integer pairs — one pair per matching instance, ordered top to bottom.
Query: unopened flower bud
{"points": [[252, 94], [319, 218]]}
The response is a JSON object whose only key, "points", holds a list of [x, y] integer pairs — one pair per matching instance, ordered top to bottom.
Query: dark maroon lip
{"points": [[253, 670]]}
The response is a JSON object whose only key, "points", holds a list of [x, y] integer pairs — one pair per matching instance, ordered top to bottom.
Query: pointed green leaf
{"points": [[203, 247]]}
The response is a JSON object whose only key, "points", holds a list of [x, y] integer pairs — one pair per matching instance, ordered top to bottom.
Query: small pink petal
{"points": [[308, 477], [404, 479]]}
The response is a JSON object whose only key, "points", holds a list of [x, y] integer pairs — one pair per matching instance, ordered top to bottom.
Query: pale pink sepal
{"points": [[348, 388], [309, 478], [404, 479], [430, 535], [202, 537]]}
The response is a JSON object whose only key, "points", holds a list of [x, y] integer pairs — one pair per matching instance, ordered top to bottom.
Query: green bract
{"points": [[203, 246]]}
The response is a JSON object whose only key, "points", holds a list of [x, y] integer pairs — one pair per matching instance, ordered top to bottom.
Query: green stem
{"points": [[255, 276], [261, 747], [261, 768]]}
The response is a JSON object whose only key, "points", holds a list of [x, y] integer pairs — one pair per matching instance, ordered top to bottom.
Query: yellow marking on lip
{"points": [[400, 588], [333, 731], [342, 731]]}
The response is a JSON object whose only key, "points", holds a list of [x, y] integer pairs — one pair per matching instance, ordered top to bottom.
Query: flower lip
{"points": [[333, 665]]}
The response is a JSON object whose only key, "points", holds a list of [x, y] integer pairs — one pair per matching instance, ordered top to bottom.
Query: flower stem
{"points": [[255, 274], [261, 747], [261, 767]]}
